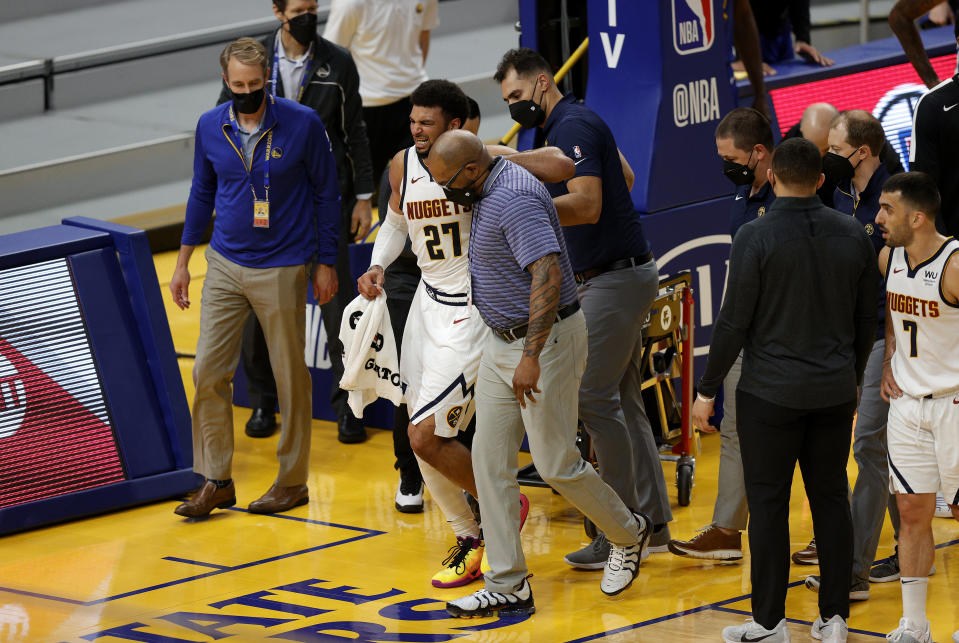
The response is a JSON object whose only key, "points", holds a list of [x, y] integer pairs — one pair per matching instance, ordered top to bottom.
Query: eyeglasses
{"points": [[453, 178]]}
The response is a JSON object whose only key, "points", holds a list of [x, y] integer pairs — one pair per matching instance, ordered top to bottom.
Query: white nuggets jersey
{"points": [[439, 229], [926, 360]]}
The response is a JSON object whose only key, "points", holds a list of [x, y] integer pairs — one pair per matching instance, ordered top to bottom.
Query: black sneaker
{"points": [[409, 495], [887, 571], [858, 590], [486, 603]]}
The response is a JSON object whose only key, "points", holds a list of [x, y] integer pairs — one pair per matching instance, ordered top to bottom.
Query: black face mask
{"points": [[303, 28], [248, 103], [527, 112], [837, 167], [739, 173], [465, 196]]}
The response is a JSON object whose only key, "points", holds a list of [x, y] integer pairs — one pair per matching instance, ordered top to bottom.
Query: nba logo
{"points": [[693, 26]]}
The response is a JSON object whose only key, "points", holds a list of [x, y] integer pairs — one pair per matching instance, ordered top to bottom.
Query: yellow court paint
{"points": [[348, 567]]}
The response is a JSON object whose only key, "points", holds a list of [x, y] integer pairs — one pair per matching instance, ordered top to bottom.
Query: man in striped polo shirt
{"points": [[529, 376]]}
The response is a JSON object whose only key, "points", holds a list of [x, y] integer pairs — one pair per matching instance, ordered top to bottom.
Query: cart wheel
{"points": [[684, 483], [589, 528]]}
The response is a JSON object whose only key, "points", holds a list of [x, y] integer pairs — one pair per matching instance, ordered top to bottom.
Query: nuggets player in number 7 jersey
{"points": [[440, 354], [920, 378]]}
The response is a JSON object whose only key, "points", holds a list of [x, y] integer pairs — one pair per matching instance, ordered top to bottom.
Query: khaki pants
{"points": [[278, 297], [550, 424]]}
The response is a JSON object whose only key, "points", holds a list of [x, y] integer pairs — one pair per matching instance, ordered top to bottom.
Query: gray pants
{"points": [[610, 397], [550, 425], [871, 497], [730, 511]]}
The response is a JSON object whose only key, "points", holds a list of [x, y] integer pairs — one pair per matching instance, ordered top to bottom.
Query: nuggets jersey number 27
{"points": [[439, 229], [926, 360]]}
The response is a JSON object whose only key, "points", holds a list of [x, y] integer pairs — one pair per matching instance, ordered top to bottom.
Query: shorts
{"points": [[439, 360], [923, 441]]}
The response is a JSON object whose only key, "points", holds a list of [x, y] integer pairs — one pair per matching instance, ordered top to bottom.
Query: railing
{"points": [[48, 68], [558, 76]]}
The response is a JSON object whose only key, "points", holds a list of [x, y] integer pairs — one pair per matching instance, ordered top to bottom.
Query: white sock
{"points": [[451, 501], [914, 599]]}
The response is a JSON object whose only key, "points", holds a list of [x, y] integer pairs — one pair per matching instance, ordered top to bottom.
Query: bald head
{"points": [[815, 123], [455, 149]]}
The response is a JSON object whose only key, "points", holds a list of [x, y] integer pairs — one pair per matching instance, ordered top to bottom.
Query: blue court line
{"points": [[371, 532], [366, 533], [271, 559], [193, 562], [59, 599], [717, 605], [799, 621]]}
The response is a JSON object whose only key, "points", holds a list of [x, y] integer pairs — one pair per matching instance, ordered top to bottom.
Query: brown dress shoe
{"points": [[208, 498], [279, 499], [710, 544], [807, 556]]}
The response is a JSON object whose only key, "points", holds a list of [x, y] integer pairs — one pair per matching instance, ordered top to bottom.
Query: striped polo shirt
{"points": [[514, 224]]}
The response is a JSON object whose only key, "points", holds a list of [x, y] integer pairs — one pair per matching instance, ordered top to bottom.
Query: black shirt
{"points": [[935, 144], [800, 303]]}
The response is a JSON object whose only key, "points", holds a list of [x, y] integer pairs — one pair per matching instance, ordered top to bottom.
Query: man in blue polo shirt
{"points": [[744, 142], [266, 166], [618, 281], [533, 359]]}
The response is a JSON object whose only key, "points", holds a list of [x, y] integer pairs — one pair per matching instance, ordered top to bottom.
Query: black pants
{"points": [[388, 130], [260, 384], [772, 439], [405, 460]]}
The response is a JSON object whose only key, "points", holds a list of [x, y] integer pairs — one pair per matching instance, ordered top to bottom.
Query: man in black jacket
{"points": [[315, 72], [801, 304]]}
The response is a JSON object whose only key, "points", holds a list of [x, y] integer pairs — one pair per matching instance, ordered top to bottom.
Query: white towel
{"points": [[370, 363]]}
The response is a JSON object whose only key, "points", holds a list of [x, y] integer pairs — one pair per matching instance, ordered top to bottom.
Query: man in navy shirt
{"points": [[744, 141], [266, 166], [618, 281]]}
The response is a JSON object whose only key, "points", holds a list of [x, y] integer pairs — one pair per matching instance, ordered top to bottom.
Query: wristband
{"points": [[702, 398]]}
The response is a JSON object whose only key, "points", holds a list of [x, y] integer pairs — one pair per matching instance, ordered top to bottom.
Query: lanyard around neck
{"points": [[276, 67], [266, 158]]}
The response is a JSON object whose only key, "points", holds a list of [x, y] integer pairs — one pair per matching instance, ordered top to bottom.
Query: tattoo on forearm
{"points": [[543, 302]]}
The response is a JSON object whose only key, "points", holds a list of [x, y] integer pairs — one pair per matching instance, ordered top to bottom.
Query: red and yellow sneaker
{"points": [[462, 564]]}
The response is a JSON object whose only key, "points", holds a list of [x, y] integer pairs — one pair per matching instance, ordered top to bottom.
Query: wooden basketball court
{"points": [[348, 567]]}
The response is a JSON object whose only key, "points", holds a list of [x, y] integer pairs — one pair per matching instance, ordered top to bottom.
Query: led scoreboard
{"points": [[888, 93], [93, 415]]}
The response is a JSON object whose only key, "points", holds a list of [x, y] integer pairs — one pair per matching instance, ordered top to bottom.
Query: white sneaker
{"points": [[409, 497], [942, 508], [622, 566], [486, 603], [834, 630], [753, 631], [909, 632]]}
